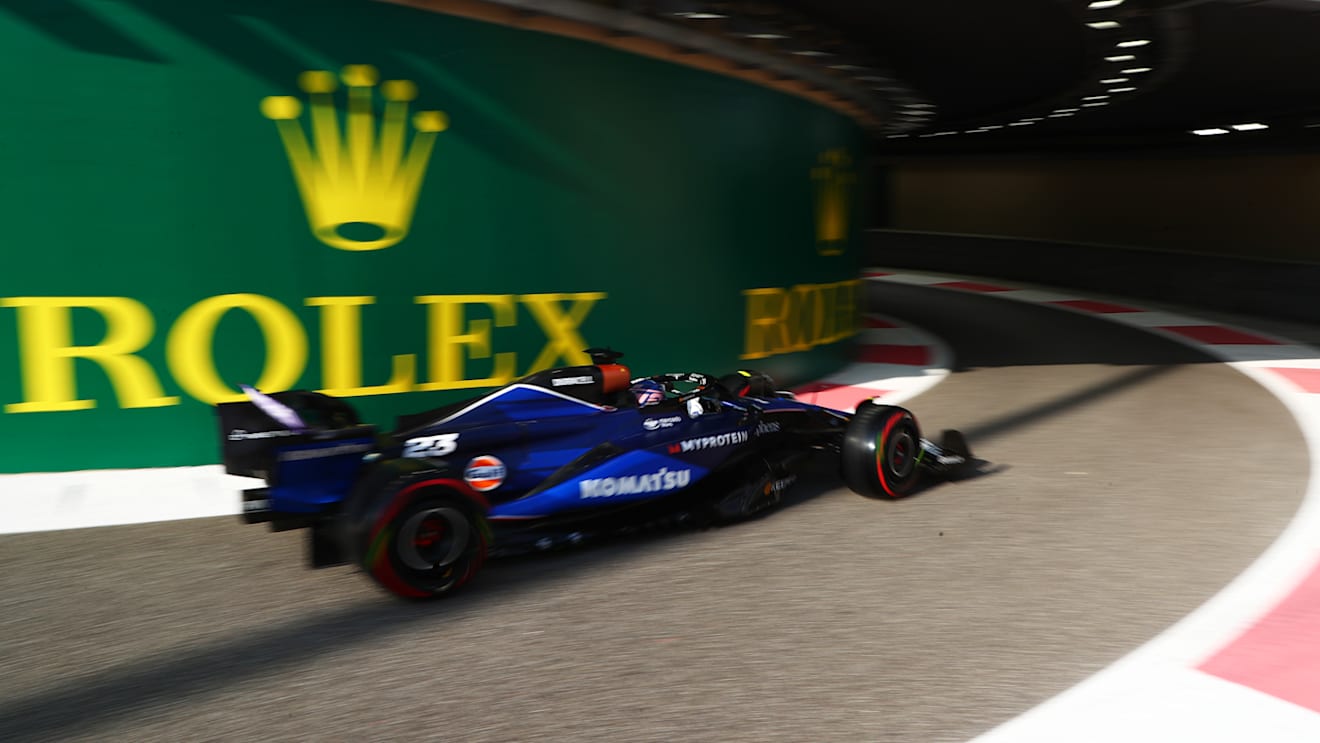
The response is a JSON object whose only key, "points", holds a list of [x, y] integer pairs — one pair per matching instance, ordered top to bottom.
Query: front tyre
{"points": [[881, 451], [422, 542]]}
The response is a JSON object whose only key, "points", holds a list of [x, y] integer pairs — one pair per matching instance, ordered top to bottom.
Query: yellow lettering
{"points": [[847, 308], [798, 315], [799, 318], [828, 320], [560, 329], [765, 332], [447, 337], [190, 344], [341, 351], [47, 352]]}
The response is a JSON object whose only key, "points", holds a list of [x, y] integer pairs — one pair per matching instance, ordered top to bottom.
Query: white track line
{"points": [[1157, 693]]}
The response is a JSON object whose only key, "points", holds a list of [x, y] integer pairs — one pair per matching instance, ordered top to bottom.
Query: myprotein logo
{"points": [[359, 188], [710, 442], [661, 481]]}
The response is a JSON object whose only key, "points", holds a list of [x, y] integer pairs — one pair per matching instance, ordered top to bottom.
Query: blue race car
{"points": [[554, 458]]}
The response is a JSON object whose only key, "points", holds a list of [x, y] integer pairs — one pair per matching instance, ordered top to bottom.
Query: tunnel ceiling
{"points": [[1032, 75]]}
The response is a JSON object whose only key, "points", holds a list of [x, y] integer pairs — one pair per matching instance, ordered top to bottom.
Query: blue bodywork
{"points": [[537, 435]]}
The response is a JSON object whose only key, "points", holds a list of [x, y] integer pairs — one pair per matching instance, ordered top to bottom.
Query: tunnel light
{"points": [[1104, 4], [693, 11], [1101, 25], [1132, 43], [1121, 58], [1135, 70], [1113, 80], [1121, 90], [1100, 97], [1093, 104], [1066, 110], [1062, 114], [1031, 118], [1021, 123], [993, 126], [1254, 126], [1209, 132], [898, 136]]}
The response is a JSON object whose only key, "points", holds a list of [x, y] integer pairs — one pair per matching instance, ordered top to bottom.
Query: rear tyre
{"points": [[881, 451], [421, 542]]}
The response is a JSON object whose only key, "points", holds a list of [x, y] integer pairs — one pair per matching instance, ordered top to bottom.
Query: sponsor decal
{"points": [[834, 179], [378, 192], [798, 318], [48, 356], [571, 381], [655, 424], [771, 427], [239, 434], [710, 442], [431, 446], [329, 451], [485, 473], [656, 482], [777, 487]]}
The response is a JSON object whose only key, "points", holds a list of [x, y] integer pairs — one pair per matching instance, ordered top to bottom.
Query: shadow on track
{"points": [[1095, 393], [177, 677]]}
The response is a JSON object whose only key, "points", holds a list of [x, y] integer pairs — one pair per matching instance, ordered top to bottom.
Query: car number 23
{"points": [[431, 446]]}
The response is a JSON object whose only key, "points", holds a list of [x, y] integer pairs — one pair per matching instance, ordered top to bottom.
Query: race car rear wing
{"points": [[252, 434]]}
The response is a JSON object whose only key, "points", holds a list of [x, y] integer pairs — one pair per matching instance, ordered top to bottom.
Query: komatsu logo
{"points": [[710, 442], [656, 482]]}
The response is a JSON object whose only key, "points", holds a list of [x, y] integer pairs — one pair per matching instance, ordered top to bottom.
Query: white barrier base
{"points": [[44, 501]]}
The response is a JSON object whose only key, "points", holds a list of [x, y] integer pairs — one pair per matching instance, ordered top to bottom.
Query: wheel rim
{"points": [[901, 454], [433, 538]]}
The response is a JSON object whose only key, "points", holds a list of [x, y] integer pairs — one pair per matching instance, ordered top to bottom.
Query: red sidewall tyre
{"points": [[881, 452], [421, 540]]}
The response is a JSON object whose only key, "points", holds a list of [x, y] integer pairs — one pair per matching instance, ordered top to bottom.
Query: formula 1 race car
{"points": [[554, 458]]}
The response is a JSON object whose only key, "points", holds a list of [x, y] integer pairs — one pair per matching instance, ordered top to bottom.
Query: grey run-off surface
{"points": [[1131, 479]]}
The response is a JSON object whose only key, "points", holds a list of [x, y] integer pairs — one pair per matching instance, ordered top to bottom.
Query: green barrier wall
{"points": [[188, 204]]}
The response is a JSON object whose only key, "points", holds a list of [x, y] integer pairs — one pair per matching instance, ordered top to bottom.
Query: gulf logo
{"points": [[484, 473]]}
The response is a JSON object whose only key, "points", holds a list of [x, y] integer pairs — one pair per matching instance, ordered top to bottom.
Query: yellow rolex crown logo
{"points": [[834, 179], [358, 182]]}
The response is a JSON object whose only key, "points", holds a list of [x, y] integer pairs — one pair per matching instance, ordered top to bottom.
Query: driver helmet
{"points": [[647, 392]]}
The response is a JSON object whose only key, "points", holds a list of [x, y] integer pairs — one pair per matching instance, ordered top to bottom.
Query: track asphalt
{"points": [[1128, 479]]}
